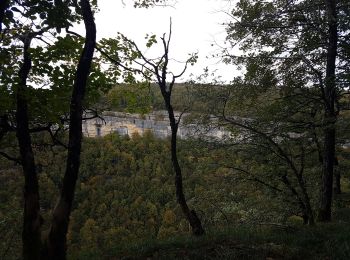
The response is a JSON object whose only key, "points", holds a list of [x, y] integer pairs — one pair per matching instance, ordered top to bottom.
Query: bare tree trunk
{"points": [[159, 69], [337, 185], [325, 207], [308, 208], [190, 215], [32, 221], [56, 241]]}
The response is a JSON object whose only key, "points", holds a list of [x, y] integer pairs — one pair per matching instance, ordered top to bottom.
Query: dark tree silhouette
{"points": [[158, 69], [54, 246]]}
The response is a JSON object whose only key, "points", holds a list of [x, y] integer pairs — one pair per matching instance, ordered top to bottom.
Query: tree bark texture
{"points": [[337, 177], [325, 206], [32, 221], [56, 241]]}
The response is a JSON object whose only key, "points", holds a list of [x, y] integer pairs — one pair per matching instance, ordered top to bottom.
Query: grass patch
{"points": [[326, 241]]}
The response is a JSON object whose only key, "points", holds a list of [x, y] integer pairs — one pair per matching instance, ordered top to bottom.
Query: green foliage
{"points": [[148, 3], [151, 39], [286, 46], [54, 56], [132, 98], [125, 200]]}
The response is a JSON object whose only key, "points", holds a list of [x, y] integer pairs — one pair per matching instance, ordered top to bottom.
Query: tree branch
{"points": [[10, 158]]}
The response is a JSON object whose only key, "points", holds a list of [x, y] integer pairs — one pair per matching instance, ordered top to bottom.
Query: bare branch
{"points": [[317, 73], [262, 134], [10, 158], [254, 178]]}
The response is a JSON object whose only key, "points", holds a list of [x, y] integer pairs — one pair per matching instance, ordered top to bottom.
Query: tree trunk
{"points": [[337, 185], [304, 204], [325, 207], [308, 208], [190, 215], [32, 221], [56, 241]]}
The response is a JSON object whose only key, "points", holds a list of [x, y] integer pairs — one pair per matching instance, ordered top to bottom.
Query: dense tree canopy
{"points": [[303, 46]]}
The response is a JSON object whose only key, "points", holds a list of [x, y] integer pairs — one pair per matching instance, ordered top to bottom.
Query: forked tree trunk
{"points": [[159, 70], [325, 207], [32, 221], [56, 240]]}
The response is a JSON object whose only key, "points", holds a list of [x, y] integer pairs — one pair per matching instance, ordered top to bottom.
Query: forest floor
{"points": [[264, 241]]}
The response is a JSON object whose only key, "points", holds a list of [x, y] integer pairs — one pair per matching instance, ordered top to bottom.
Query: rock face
{"points": [[156, 122]]}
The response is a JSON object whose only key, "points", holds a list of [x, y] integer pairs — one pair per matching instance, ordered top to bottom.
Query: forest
{"points": [[276, 187]]}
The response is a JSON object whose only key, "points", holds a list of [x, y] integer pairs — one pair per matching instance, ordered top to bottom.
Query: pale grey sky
{"points": [[197, 25]]}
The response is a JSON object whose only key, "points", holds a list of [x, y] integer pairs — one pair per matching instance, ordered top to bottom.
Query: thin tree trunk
{"points": [[159, 70], [337, 185], [305, 207], [325, 207], [310, 213], [190, 215], [32, 221], [56, 241]]}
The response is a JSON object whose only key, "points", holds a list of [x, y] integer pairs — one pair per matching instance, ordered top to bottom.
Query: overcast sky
{"points": [[197, 25]]}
